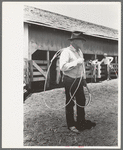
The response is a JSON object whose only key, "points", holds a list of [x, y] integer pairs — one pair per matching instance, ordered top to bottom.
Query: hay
{"points": [[44, 127]]}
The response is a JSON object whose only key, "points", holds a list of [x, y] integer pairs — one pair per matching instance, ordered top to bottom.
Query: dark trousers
{"points": [[107, 72], [80, 99]]}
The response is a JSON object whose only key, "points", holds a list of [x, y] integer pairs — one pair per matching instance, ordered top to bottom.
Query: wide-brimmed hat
{"points": [[77, 35], [105, 54]]}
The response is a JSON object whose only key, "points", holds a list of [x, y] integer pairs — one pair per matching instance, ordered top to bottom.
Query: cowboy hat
{"points": [[77, 35], [105, 54]]}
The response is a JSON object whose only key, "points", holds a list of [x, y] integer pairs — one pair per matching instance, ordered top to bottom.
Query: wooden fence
{"points": [[35, 70], [113, 70], [100, 71], [27, 74]]}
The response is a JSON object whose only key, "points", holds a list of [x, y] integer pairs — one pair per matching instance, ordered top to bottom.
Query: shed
{"points": [[46, 32]]}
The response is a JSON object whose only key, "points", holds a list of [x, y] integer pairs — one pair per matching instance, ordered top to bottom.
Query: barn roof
{"points": [[46, 18]]}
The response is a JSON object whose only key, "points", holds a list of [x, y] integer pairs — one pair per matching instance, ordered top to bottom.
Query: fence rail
{"points": [[35, 70]]}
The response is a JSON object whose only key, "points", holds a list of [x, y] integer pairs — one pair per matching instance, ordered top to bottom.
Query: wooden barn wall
{"points": [[43, 38], [26, 41], [95, 45]]}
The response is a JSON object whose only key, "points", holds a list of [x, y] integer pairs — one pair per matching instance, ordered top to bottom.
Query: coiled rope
{"points": [[77, 89], [71, 96]]}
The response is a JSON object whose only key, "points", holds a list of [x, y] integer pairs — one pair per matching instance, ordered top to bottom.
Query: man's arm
{"points": [[110, 59], [64, 61], [100, 62], [84, 72]]}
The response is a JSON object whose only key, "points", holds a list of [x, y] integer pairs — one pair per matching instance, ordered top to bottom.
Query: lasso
{"points": [[72, 96]]}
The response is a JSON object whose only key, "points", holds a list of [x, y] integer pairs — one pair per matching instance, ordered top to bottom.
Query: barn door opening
{"points": [[41, 60], [38, 69], [52, 70]]}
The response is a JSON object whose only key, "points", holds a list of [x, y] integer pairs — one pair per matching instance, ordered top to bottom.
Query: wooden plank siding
{"points": [[42, 38], [44, 41], [98, 46], [41, 61], [48, 62], [39, 69], [113, 70], [38, 79]]}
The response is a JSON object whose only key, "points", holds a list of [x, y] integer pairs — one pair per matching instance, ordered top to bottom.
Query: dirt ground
{"points": [[46, 127]]}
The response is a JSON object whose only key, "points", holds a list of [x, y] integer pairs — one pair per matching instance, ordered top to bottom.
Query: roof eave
{"points": [[68, 30]]}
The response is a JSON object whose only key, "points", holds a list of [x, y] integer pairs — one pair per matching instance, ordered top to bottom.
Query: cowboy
{"points": [[107, 61], [73, 68]]}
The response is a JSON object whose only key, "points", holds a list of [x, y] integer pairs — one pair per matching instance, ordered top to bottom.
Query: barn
{"points": [[46, 32]]}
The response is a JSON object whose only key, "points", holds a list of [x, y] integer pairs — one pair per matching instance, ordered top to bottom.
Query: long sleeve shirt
{"points": [[107, 60], [93, 62], [68, 63]]}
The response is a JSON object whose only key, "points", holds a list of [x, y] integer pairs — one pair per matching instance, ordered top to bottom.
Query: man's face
{"points": [[78, 43], [105, 56]]}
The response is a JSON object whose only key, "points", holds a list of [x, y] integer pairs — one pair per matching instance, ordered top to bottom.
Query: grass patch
{"points": [[44, 127]]}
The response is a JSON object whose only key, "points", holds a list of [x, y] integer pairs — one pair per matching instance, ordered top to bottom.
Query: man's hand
{"points": [[80, 60], [84, 82]]}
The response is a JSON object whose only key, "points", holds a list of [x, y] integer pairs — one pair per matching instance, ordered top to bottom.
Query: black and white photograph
{"points": [[70, 74]]}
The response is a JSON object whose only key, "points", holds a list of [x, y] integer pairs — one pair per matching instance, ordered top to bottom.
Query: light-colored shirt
{"points": [[107, 60], [93, 62], [68, 63]]}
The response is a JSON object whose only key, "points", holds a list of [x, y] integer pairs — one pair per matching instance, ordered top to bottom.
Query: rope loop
{"points": [[71, 96]]}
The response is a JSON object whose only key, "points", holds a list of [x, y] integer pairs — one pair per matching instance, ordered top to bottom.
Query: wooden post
{"points": [[26, 54], [95, 56], [116, 59], [48, 62], [30, 66], [31, 70], [99, 70], [95, 71], [30, 73], [27, 74], [58, 75]]}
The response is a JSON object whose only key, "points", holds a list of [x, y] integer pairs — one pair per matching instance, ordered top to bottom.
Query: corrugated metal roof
{"points": [[57, 21]]}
